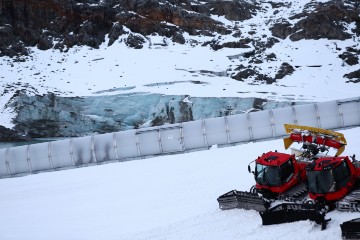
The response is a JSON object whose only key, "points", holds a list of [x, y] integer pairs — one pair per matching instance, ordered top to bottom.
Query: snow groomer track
{"points": [[175, 138]]}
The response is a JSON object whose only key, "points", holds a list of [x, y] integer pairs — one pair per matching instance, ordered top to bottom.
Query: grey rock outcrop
{"points": [[326, 21], [39, 23], [350, 58], [285, 69], [354, 76], [10, 135]]}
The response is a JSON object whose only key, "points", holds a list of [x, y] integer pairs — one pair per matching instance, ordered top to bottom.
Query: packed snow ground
{"points": [[169, 197]]}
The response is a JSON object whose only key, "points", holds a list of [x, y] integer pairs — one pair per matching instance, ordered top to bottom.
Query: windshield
{"points": [[267, 175], [321, 181]]}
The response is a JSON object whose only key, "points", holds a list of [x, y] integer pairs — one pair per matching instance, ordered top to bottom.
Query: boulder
{"points": [[233, 10], [282, 30], [115, 32], [178, 38], [135, 41], [45, 43], [350, 58], [285, 69], [242, 75], [353, 77], [10, 135]]}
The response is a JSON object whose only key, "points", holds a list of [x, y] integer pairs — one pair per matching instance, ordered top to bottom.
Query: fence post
{"points": [[340, 112], [294, 115], [317, 115], [272, 123], [250, 127], [227, 130], [204, 133], [182, 137], [160, 142], [137, 143], [115, 146], [92, 147], [72, 151], [50, 156], [28, 158], [7, 161]]}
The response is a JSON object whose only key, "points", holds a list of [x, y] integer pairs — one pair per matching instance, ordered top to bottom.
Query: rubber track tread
{"points": [[294, 194], [350, 203]]}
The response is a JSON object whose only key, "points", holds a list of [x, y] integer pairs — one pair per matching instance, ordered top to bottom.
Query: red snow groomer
{"points": [[316, 145], [277, 175], [281, 175], [329, 179], [333, 181]]}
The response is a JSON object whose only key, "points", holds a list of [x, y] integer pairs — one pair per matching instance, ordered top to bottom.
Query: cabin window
{"points": [[286, 171], [342, 175], [321, 181]]}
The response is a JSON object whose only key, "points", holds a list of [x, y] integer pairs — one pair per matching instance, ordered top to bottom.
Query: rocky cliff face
{"points": [[41, 23], [62, 24]]}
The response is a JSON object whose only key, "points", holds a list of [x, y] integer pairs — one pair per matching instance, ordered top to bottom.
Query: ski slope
{"points": [[170, 197]]}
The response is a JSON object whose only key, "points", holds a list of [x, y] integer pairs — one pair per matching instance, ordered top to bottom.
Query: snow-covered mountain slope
{"points": [[291, 51], [164, 66], [168, 197]]}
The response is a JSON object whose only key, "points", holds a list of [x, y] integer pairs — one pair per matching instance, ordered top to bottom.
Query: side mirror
{"points": [[249, 168]]}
